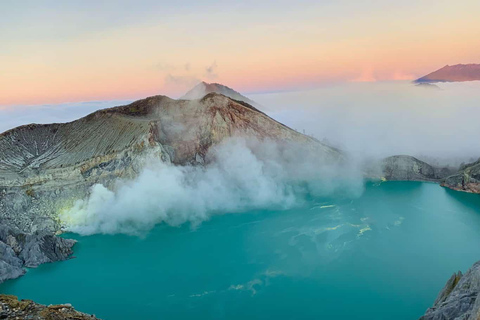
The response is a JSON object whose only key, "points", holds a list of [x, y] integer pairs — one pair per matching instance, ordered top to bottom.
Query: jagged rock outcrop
{"points": [[456, 73], [404, 167], [45, 168], [467, 179], [19, 250], [458, 300], [12, 308]]}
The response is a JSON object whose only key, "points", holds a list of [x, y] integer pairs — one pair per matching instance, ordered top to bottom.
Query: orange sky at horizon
{"points": [[279, 51]]}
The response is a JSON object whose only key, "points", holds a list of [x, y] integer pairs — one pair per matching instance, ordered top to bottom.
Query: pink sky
{"points": [[47, 60]]}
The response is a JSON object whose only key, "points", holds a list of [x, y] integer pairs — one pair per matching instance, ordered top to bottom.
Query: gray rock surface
{"points": [[404, 167], [19, 250], [11, 266], [458, 299]]}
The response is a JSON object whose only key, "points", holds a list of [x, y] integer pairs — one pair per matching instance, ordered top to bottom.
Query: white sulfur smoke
{"points": [[242, 175]]}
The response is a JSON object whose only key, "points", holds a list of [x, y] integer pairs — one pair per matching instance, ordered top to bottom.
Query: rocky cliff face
{"points": [[456, 73], [45, 168], [409, 168], [467, 179], [19, 250], [458, 300], [12, 308]]}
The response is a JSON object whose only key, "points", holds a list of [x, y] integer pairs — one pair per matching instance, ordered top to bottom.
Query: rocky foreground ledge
{"points": [[458, 299], [12, 308]]}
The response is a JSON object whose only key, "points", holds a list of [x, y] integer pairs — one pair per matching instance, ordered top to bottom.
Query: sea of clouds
{"points": [[438, 124]]}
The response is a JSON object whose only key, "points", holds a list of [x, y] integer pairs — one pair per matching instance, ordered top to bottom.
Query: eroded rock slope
{"points": [[403, 167], [45, 168], [467, 179], [19, 250], [459, 299]]}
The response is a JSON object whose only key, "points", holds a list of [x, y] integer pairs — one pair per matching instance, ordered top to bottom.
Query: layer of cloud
{"points": [[54, 113], [380, 119]]}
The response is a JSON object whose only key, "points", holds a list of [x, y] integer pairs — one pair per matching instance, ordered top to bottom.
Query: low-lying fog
{"points": [[438, 124]]}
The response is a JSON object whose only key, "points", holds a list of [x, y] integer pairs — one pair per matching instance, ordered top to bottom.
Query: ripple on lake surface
{"points": [[388, 252]]}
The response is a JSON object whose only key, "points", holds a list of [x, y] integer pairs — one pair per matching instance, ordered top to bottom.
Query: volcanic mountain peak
{"points": [[456, 73], [204, 88], [44, 168]]}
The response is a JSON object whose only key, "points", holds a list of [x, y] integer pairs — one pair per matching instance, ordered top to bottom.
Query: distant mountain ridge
{"points": [[456, 73], [204, 88]]}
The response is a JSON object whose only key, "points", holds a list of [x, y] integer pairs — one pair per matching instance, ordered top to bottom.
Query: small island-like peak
{"points": [[455, 73]]}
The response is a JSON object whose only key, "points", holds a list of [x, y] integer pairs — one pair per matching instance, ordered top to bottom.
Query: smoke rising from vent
{"points": [[242, 175]]}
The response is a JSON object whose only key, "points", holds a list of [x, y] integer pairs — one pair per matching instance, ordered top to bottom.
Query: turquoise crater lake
{"points": [[384, 255]]}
